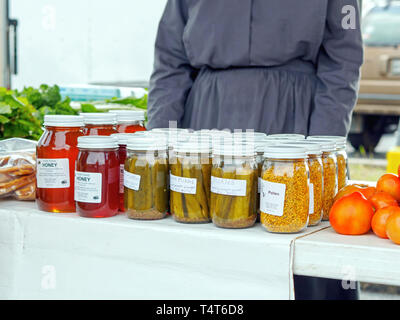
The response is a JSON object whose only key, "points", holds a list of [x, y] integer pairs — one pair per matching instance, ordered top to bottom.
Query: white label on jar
{"points": [[53, 173], [121, 178], [131, 181], [183, 185], [88, 187], [228, 187], [272, 198], [311, 206]]}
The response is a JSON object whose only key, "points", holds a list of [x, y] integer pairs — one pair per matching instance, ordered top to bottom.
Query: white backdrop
{"points": [[82, 41]]}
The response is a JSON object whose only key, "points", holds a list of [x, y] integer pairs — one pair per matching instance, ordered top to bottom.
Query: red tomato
{"points": [[389, 183], [367, 191], [382, 199], [351, 215], [380, 219], [393, 227]]}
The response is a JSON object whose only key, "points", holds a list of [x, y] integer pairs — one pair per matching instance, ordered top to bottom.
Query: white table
{"points": [[63, 256], [361, 258]]}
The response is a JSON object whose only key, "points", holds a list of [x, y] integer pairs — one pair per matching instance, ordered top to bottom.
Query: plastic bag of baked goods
{"points": [[18, 169]]}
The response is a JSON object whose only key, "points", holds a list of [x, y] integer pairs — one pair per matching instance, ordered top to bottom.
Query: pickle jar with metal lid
{"points": [[341, 157], [315, 168], [330, 169], [145, 178], [234, 180], [190, 181], [285, 193]]}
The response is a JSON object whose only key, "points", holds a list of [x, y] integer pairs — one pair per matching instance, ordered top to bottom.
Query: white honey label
{"points": [[53, 173], [131, 181], [183, 185], [88, 187], [228, 187], [272, 200], [311, 206]]}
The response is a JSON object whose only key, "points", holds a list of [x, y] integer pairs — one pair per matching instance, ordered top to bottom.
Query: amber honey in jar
{"points": [[129, 121], [99, 124], [57, 152], [146, 178], [234, 178], [316, 178], [285, 194]]}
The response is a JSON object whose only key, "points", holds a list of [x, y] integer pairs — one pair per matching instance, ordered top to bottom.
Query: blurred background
{"points": [[81, 41], [101, 51]]}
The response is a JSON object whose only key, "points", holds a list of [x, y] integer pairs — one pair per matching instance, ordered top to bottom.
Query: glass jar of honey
{"points": [[129, 121], [99, 124], [57, 152], [97, 177]]}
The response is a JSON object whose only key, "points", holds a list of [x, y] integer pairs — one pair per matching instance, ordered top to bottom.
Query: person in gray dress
{"points": [[275, 66]]}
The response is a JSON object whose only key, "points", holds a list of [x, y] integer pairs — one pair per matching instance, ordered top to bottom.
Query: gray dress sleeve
{"points": [[338, 73], [173, 75]]}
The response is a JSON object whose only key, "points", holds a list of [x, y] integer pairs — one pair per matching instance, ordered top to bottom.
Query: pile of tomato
{"points": [[359, 208]]}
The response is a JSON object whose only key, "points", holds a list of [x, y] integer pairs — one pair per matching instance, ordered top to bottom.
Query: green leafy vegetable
{"points": [[133, 101], [89, 108], [22, 112], [17, 117]]}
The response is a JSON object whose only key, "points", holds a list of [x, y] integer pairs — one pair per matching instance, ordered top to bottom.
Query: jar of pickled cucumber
{"points": [[257, 140], [341, 156], [330, 170], [145, 178], [234, 178], [316, 178], [190, 182], [285, 190]]}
